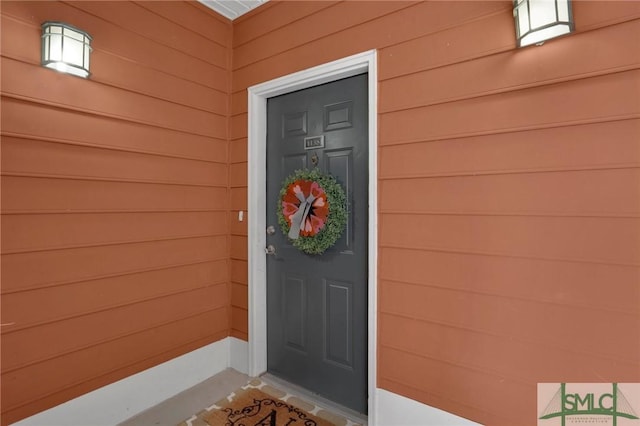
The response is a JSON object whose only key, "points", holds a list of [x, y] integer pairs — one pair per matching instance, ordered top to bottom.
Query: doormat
{"points": [[259, 404]]}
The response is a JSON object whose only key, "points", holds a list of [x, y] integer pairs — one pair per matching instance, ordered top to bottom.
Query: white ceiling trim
{"points": [[232, 8]]}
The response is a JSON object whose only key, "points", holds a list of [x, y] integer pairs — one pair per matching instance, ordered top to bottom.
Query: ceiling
{"points": [[232, 8]]}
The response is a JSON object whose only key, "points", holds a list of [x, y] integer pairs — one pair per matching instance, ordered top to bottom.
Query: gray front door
{"points": [[317, 304]]}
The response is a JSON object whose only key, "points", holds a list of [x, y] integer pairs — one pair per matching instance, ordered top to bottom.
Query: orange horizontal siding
{"points": [[276, 14], [593, 15], [133, 18], [197, 18], [411, 19], [329, 20], [488, 34], [482, 35], [122, 42], [612, 45], [114, 70], [83, 96], [239, 102], [517, 110], [28, 119], [238, 126], [577, 147], [238, 151], [32, 157], [238, 175], [509, 176], [508, 192], [522, 194], [69, 195], [114, 197], [238, 198], [235, 226], [23, 233], [586, 239], [238, 247], [71, 265], [239, 271], [545, 281], [239, 296], [59, 302], [434, 311], [239, 321], [242, 335], [52, 339], [471, 347], [62, 378], [483, 394]]}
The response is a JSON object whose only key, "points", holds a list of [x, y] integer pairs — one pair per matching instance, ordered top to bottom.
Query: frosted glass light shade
{"points": [[540, 20], [65, 48]]}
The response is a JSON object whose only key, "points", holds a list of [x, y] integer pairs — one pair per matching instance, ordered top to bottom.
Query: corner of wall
{"points": [[239, 355], [119, 401], [394, 409]]}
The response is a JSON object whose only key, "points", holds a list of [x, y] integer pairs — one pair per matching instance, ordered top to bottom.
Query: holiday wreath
{"points": [[312, 210]]}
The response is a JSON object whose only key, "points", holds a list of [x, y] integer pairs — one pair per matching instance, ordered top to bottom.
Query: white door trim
{"points": [[257, 126]]}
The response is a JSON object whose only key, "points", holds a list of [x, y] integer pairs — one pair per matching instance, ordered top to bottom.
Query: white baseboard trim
{"points": [[239, 355], [119, 401], [115, 403], [396, 410]]}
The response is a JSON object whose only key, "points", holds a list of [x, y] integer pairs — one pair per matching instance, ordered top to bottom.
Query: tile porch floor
{"points": [[182, 406]]}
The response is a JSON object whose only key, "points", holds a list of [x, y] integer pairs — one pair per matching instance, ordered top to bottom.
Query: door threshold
{"points": [[334, 407]]}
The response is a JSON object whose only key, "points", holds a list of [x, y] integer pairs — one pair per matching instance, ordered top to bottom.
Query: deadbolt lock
{"points": [[271, 230]]}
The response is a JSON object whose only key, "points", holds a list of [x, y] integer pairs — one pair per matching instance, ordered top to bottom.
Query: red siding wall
{"points": [[509, 192], [114, 197]]}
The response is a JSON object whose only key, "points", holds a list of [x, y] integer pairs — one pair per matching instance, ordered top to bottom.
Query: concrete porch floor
{"points": [[182, 406]]}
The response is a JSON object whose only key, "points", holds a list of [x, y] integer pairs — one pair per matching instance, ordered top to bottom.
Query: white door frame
{"points": [[257, 144]]}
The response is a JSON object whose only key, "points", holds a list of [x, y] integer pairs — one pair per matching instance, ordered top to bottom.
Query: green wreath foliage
{"points": [[336, 219]]}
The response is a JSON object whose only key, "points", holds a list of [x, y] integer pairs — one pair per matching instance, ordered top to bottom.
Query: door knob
{"points": [[270, 249]]}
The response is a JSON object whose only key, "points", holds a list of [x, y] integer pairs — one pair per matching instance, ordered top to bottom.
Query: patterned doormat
{"points": [[259, 404]]}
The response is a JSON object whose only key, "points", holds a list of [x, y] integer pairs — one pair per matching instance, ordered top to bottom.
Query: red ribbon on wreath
{"points": [[305, 207]]}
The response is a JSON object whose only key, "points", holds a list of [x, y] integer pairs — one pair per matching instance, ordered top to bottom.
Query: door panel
{"points": [[339, 164], [317, 304], [295, 308], [338, 322]]}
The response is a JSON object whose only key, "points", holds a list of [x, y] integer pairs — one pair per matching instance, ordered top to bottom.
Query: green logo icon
{"points": [[613, 404]]}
